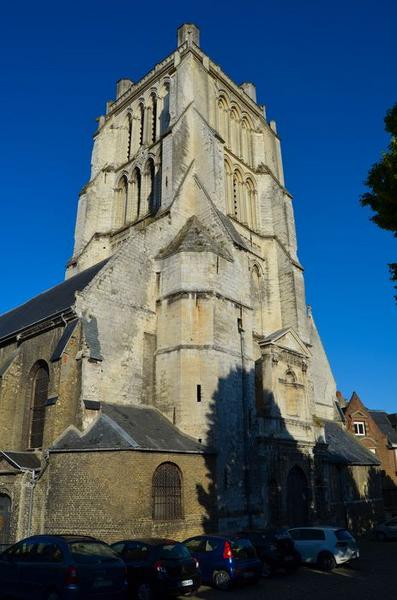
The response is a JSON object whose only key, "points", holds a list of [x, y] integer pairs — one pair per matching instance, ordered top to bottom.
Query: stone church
{"points": [[175, 382]]}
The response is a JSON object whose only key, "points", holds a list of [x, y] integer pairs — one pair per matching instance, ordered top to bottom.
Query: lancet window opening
{"points": [[153, 99], [142, 124], [121, 207], [38, 405], [167, 493]]}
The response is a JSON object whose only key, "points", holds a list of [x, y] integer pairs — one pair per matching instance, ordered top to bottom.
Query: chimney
{"points": [[190, 33], [122, 86], [250, 89]]}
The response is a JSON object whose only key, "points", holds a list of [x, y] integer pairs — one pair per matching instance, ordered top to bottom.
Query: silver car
{"points": [[387, 530], [324, 546]]}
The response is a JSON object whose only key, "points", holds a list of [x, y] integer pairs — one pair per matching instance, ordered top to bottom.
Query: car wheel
{"points": [[380, 536], [326, 561], [266, 570], [221, 580], [144, 592]]}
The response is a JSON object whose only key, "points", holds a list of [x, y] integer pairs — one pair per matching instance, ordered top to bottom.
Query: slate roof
{"points": [[232, 231], [48, 304], [65, 337], [383, 422], [130, 427], [343, 448], [22, 460]]}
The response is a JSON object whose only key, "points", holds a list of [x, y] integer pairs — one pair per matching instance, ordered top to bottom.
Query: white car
{"points": [[324, 546]]}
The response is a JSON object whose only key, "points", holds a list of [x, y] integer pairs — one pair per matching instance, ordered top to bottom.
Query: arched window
{"points": [[153, 103], [165, 109], [223, 119], [142, 124], [235, 131], [129, 138], [246, 143], [228, 174], [149, 186], [237, 195], [121, 201], [250, 203], [134, 205], [257, 293], [291, 393], [38, 405], [167, 493], [5, 516]]}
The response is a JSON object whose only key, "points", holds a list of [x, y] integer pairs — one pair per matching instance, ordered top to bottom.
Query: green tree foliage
{"points": [[382, 182]]}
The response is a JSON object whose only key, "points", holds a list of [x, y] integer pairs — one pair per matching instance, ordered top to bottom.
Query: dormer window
{"points": [[359, 427]]}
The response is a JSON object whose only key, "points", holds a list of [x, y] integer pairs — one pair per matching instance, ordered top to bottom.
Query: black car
{"points": [[275, 548], [62, 567], [157, 567]]}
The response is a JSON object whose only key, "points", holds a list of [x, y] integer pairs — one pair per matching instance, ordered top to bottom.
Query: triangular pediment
{"points": [[194, 237], [286, 339]]}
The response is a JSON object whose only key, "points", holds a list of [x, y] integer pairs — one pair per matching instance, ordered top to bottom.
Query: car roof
{"points": [[325, 527], [65, 537], [150, 541]]}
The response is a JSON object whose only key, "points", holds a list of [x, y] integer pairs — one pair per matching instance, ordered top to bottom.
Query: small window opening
{"points": [[158, 282], [198, 392]]}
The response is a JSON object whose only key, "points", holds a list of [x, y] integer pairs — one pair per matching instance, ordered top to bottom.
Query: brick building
{"points": [[176, 381], [377, 431]]}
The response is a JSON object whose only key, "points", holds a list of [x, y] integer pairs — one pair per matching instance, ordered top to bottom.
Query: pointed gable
{"points": [[193, 237], [287, 339]]}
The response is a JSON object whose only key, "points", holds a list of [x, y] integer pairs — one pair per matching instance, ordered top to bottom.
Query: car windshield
{"points": [[343, 534], [243, 549], [172, 551], [92, 552]]}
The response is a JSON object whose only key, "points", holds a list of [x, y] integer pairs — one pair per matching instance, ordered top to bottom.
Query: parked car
{"points": [[387, 530], [324, 546], [275, 548], [225, 560], [157, 566], [61, 567]]}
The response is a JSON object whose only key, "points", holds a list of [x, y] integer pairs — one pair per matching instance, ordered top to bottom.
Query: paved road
{"points": [[372, 577]]}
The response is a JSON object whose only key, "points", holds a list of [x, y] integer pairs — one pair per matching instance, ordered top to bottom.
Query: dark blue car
{"points": [[225, 560], [61, 567]]}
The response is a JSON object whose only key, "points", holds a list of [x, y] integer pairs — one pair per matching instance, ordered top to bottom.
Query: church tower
{"points": [[175, 382]]}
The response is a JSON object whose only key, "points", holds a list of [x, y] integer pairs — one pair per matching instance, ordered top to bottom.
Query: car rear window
{"points": [[343, 534], [242, 549], [172, 551], [92, 552]]}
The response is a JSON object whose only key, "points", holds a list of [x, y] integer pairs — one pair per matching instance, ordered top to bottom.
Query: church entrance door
{"points": [[297, 497], [5, 514]]}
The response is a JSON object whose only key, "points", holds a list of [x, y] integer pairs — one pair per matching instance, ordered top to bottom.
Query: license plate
{"points": [[186, 582], [102, 583]]}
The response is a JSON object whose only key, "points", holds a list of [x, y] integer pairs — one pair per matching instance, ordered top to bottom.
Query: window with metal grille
{"points": [[39, 400], [167, 493]]}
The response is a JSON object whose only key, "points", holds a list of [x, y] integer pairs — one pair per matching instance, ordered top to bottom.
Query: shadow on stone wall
{"points": [[264, 477]]}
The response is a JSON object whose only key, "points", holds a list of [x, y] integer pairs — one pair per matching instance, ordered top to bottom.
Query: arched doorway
{"points": [[297, 497], [5, 517]]}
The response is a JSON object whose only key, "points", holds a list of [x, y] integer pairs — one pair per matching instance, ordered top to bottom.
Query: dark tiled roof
{"points": [[232, 231], [50, 303], [383, 422], [130, 427], [343, 448], [22, 460]]}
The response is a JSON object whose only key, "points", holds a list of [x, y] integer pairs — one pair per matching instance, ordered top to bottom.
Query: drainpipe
{"points": [[247, 489]]}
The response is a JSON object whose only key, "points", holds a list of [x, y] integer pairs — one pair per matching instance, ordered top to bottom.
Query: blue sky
{"points": [[324, 70]]}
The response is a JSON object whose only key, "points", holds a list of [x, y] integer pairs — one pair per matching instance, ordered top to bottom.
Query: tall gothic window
{"points": [[153, 100], [165, 108], [223, 119], [142, 124], [235, 131], [129, 138], [246, 149], [149, 186], [135, 195], [237, 195], [250, 203], [120, 214], [38, 405], [167, 493]]}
